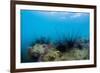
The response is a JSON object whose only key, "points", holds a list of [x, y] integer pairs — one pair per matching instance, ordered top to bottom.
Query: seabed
{"points": [[69, 49]]}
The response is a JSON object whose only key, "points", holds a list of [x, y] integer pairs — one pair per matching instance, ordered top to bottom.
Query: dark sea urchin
{"points": [[67, 44]]}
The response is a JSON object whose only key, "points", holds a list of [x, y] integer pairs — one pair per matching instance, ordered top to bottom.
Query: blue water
{"points": [[36, 24]]}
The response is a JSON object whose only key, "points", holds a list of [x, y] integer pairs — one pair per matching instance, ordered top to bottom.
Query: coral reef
{"points": [[68, 49], [75, 54], [52, 55]]}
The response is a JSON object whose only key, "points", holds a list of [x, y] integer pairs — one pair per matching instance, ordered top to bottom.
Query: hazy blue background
{"points": [[35, 24]]}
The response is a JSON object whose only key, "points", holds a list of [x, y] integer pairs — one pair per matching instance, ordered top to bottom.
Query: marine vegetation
{"points": [[67, 44], [67, 49]]}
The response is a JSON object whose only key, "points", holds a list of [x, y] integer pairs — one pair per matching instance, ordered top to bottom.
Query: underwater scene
{"points": [[48, 36]]}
